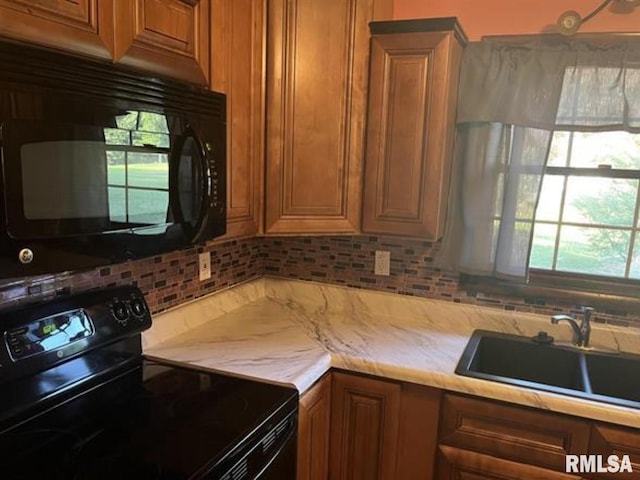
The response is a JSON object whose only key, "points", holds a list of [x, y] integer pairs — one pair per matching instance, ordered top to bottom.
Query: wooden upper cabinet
{"points": [[82, 26], [238, 29], [168, 37], [317, 64], [410, 125]]}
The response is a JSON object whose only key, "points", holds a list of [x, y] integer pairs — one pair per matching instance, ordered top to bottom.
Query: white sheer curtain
{"points": [[511, 99]]}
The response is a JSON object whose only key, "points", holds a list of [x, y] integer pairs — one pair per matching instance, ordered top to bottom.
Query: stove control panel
{"points": [[129, 309], [39, 336]]}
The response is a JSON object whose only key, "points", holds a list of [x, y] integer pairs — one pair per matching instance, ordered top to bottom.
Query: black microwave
{"points": [[102, 164]]}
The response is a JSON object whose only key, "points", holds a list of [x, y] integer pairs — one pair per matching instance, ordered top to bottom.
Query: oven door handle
{"points": [[193, 231]]}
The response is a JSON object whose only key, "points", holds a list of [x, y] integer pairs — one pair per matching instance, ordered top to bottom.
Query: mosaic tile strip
{"points": [[350, 260], [166, 280]]}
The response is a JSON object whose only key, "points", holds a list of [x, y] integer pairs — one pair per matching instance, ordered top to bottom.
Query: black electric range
{"points": [[79, 401]]}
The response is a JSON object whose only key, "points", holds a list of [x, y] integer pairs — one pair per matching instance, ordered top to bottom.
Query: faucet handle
{"points": [[587, 311], [556, 318]]}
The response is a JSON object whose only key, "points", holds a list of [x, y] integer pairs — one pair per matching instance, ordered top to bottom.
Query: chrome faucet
{"points": [[582, 332]]}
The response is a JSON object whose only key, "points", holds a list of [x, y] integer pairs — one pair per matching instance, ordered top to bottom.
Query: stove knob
{"points": [[137, 307], [120, 312]]}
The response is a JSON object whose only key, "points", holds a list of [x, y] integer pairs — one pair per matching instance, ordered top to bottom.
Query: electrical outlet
{"points": [[383, 261], [205, 266]]}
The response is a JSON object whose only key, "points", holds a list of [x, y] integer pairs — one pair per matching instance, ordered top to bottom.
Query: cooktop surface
{"points": [[153, 421]]}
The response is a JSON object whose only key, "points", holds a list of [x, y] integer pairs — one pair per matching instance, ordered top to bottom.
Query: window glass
{"points": [[614, 149], [559, 151], [550, 198], [598, 200], [587, 217], [542, 250], [596, 251]]}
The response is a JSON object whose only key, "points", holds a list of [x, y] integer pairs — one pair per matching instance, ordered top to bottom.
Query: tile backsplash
{"points": [[350, 260], [171, 279], [166, 280]]}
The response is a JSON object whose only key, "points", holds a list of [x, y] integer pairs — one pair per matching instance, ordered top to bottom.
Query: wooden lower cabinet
{"points": [[357, 427], [364, 428], [382, 430], [313, 431], [512, 432], [484, 439], [612, 440], [457, 464]]}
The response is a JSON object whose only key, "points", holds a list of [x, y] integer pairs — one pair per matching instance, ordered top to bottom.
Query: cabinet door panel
{"points": [[82, 26], [238, 29], [169, 37], [317, 63], [407, 102], [410, 127], [364, 428], [313, 432], [418, 432], [516, 433], [610, 440], [457, 464]]}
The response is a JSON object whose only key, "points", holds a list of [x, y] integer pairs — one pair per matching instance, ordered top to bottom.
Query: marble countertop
{"points": [[292, 332]]}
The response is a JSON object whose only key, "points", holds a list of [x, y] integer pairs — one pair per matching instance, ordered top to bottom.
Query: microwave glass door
{"points": [[65, 179], [192, 184]]}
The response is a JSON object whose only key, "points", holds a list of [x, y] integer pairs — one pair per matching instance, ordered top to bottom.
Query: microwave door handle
{"points": [[207, 189], [193, 233]]}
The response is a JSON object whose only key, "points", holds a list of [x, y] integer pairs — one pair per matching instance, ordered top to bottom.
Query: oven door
{"points": [[269, 455], [283, 464]]}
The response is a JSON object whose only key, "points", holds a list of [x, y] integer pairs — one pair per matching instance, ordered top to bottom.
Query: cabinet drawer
{"points": [[511, 432], [609, 440], [457, 464]]}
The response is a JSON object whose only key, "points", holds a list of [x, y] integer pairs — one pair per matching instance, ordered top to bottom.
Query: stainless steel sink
{"points": [[517, 360]]}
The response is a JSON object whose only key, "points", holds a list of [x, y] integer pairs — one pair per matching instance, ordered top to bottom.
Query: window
{"points": [[563, 119], [138, 168], [587, 214]]}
